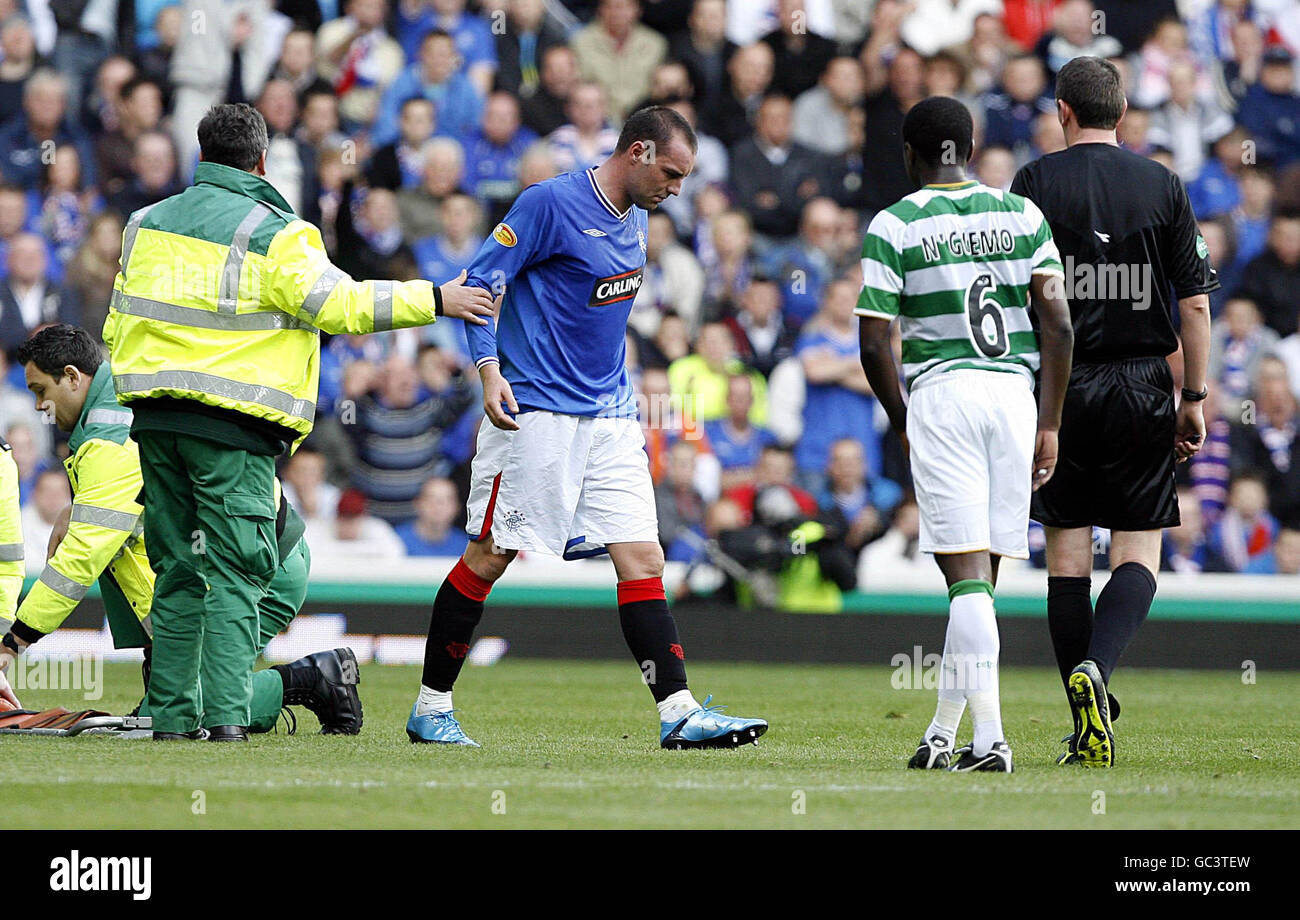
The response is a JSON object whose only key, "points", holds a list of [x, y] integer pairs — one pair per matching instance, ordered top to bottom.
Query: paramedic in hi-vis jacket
{"points": [[213, 336], [100, 538]]}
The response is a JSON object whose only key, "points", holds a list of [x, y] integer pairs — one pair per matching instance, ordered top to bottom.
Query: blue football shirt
{"points": [[570, 265]]}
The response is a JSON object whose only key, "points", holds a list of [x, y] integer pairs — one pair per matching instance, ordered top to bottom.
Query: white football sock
{"points": [[973, 638], [952, 699], [432, 701], [677, 705]]}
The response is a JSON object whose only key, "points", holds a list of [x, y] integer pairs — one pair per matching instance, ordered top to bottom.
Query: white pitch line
{"points": [[615, 785]]}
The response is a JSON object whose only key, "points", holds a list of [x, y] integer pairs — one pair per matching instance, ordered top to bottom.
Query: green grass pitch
{"points": [[574, 744]]}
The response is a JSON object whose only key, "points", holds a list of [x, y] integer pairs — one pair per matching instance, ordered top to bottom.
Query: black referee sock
{"points": [[1122, 607], [456, 611], [1069, 620], [651, 634]]}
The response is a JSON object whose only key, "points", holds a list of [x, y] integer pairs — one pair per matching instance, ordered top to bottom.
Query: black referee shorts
{"points": [[1116, 463]]}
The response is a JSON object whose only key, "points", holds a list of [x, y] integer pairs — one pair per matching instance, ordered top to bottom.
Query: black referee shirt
{"points": [[1128, 241]]}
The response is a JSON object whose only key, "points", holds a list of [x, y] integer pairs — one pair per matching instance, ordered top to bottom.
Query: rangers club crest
{"points": [[513, 520]]}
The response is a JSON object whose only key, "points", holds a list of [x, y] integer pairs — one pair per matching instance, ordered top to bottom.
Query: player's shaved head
{"points": [[655, 124], [654, 155]]}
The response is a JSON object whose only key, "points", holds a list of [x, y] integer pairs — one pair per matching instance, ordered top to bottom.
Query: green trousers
{"points": [[209, 524], [282, 602]]}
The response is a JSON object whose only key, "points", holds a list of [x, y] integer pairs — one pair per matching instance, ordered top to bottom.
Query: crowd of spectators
{"points": [[405, 129]]}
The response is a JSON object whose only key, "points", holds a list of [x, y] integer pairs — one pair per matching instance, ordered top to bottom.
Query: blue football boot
{"points": [[707, 727], [436, 728]]}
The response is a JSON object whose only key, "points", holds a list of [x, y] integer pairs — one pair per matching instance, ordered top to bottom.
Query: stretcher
{"points": [[66, 723]]}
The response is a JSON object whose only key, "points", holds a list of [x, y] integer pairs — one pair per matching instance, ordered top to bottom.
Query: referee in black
{"points": [[1130, 246]]}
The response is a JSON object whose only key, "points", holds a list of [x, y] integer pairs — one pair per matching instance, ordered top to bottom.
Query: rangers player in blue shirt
{"points": [[562, 468]]}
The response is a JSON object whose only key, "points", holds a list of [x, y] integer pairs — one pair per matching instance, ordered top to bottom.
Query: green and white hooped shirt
{"points": [[954, 262]]}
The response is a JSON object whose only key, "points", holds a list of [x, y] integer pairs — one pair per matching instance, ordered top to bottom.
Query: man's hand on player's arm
{"points": [[470, 303], [1056, 351], [877, 354], [496, 390], [1189, 430]]}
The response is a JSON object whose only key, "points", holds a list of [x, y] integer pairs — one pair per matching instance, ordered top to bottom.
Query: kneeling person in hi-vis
{"points": [[958, 263], [562, 468], [101, 538]]}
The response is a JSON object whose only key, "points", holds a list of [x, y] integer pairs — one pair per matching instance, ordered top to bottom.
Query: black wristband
{"points": [[437, 301], [1195, 396], [25, 632]]}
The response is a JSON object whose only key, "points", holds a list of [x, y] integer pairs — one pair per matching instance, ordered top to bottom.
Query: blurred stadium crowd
{"points": [[405, 129]]}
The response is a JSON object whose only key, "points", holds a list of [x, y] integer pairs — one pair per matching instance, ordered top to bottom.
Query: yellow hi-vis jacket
{"points": [[222, 293], [11, 535], [105, 538]]}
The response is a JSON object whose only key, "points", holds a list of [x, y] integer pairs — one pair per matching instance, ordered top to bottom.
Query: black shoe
{"points": [[326, 683], [228, 733], [200, 734], [1094, 737], [1071, 741], [932, 753], [1071, 755], [997, 760]]}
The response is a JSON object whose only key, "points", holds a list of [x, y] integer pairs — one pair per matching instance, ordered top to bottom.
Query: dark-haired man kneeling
{"points": [[101, 538]]}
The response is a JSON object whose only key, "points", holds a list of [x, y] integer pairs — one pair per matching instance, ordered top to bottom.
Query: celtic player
{"points": [[958, 263]]}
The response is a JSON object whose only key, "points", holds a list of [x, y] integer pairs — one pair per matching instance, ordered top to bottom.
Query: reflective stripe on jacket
{"points": [[221, 296]]}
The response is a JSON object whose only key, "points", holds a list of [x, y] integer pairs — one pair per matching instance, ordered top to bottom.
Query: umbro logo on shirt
{"points": [[595, 232], [1104, 237]]}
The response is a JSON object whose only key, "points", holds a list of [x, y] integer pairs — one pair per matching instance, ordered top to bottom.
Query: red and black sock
{"points": [[1122, 608], [456, 612], [1069, 620], [651, 634]]}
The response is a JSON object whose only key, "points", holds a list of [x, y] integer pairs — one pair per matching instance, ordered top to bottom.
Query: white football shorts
{"points": [[972, 448], [562, 484]]}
